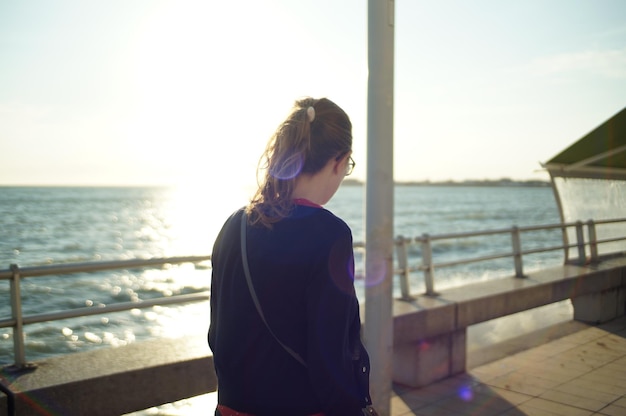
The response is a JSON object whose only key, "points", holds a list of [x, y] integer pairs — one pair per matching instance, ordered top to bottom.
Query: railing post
{"points": [[565, 236], [593, 240], [580, 242], [517, 251], [427, 263], [403, 266], [16, 312]]}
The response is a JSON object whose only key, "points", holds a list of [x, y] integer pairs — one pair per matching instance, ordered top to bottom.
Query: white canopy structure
{"points": [[589, 182]]}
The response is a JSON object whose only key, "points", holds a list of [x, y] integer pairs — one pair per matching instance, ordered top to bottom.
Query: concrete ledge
{"points": [[422, 318], [430, 333], [113, 381]]}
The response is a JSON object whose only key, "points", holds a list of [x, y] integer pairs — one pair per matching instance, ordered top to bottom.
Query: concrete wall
{"points": [[430, 333], [113, 381]]}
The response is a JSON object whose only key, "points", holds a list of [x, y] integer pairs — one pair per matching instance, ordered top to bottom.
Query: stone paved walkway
{"points": [[583, 373]]}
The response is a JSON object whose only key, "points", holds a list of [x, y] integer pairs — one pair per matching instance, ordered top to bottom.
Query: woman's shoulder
{"points": [[321, 217], [234, 219], [337, 221], [231, 225]]}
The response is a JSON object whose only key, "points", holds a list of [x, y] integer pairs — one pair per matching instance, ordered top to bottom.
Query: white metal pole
{"points": [[379, 201]]}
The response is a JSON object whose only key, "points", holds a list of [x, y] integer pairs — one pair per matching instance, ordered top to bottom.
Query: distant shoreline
{"points": [[346, 182], [469, 182]]}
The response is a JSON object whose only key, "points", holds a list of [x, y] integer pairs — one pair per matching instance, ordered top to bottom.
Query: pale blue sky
{"points": [[159, 92]]}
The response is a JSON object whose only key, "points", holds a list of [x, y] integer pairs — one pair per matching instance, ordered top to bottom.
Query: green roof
{"points": [[599, 154]]}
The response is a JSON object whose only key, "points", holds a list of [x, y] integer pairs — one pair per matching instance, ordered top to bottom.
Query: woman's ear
{"points": [[339, 165]]}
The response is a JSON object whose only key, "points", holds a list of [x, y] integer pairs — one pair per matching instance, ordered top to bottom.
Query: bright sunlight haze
{"points": [[188, 92]]}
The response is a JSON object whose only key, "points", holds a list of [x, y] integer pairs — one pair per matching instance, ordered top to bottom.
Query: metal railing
{"points": [[428, 266], [403, 270], [15, 274]]}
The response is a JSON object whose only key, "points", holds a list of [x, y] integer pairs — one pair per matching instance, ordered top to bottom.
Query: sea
{"points": [[50, 225]]}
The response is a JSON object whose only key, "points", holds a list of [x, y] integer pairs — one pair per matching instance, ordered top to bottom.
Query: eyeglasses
{"points": [[350, 166]]}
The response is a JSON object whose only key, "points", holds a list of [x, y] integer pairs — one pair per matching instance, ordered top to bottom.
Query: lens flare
{"points": [[288, 169], [376, 273], [465, 393]]}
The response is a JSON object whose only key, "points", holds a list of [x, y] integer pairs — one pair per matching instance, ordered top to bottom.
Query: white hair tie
{"points": [[310, 112]]}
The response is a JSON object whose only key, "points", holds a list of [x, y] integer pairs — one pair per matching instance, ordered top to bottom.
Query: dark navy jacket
{"points": [[302, 271]]}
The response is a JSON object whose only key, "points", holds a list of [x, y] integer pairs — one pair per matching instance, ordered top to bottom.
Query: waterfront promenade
{"points": [[578, 370], [580, 373], [583, 373]]}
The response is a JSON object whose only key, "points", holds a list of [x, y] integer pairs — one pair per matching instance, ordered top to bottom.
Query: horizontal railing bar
{"points": [[609, 221], [568, 224], [531, 228], [508, 230], [496, 231], [463, 235], [610, 240], [542, 250], [485, 258], [472, 260], [467, 261], [69, 268], [412, 269], [116, 307], [7, 323]]}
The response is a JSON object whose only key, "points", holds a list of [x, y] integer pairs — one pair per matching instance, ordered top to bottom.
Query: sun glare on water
{"points": [[197, 213]]}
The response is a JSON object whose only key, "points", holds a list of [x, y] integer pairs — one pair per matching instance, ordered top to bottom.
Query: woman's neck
{"points": [[319, 187], [309, 188], [306, 202]]}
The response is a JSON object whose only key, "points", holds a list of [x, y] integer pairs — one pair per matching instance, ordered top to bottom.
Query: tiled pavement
{"points": [[583, 373]]}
